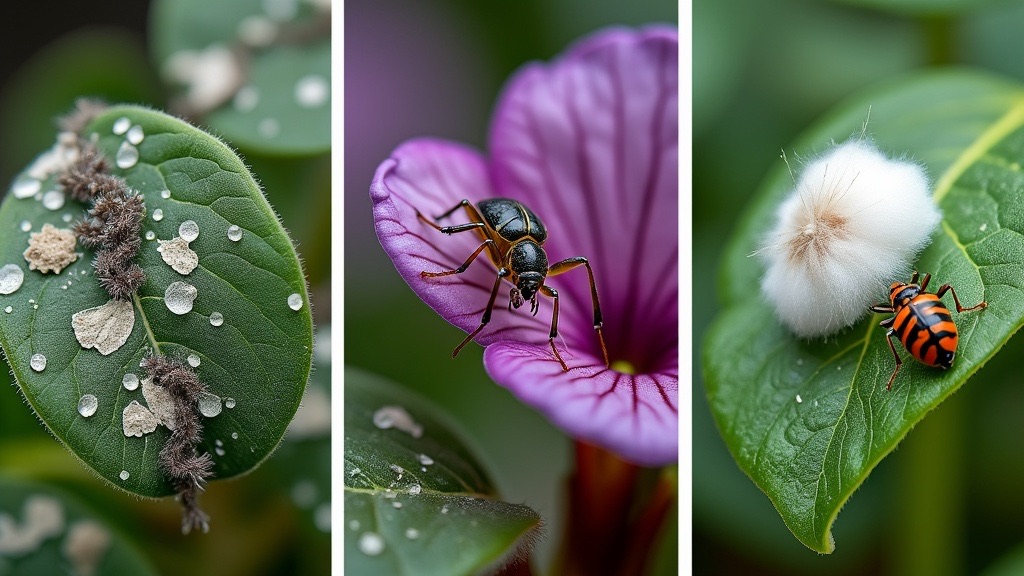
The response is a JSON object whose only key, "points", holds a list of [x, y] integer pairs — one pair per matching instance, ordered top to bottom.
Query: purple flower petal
{"points": [[590, 143]]}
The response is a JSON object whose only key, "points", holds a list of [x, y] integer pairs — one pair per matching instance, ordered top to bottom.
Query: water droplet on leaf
{"points": [[312, 91], [121, 125], [135, 135], [127, 156], [25, 186], [53, 200], [158, 215], [188, 230], [234, 233], [11, 277], [179, 297], [295, 302], [216, 319], [193, 360], [37, 362], [130, 381], [229, 402], [87, 405], [209, 405], [124, 475], [371, 543]]}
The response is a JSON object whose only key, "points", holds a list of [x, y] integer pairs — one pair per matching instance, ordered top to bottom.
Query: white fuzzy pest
{"points": [[854, 224]]}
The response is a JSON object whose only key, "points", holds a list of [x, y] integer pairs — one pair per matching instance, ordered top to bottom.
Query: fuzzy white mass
{"points": [[854, 224]]}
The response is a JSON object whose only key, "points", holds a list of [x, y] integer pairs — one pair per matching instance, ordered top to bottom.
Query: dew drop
{"points": [[311, 91], [247, 98], [121, 125], [269, 127], [135, 135], [127, 155], [25, 186], [165, 194], [53, 200], [158, 215], [66, 218], [26, 225], [188, 230], [234, 233], [150, 235], [11, 277], [179, 297], [295, 302], [9, 309], [216, 319], [193, 360], [37, 362], [130, 381], [799, 399], [229, 402], [209, 404], [87, 405], [396, 417], [234, 435], [219, 451], [426, 460], [398, 470], [354, 472], [124, 475], [415, 489], [396, 505], [444, 509], [412, 533], [371, 543]]}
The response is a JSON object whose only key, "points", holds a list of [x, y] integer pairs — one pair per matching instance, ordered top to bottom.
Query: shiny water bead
{"points": [[312, 91], [121, 125], [135, 134], [126, 156], [25, 186], [165, 194], [53, 200], [158, 215], [26, 226], [188, 230], [234, 233], [11, 278], [179, 297], [295, 302], [216, 319], [193, 360], [37, 362], [130, 381], [87, 405], [209, 405], [124, 475]]}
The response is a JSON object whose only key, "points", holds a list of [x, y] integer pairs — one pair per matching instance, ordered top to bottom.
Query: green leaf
{"points": [[922, 7], [268, 113], [259, 357], [809, 420], [416, 500], [46, 529]]}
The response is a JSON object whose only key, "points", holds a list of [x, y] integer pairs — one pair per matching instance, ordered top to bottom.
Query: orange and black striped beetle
{"points": [[512, 235], [922, 323]]}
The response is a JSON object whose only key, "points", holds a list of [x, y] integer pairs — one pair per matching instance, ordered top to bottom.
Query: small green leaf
{"points": [[922, 7], [282, 104], [257, 360], [809, 420], [416, 500], [45, 529]]}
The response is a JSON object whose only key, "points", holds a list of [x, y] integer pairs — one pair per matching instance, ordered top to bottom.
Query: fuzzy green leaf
{"points": [[282, 105], [259, 357], [809, 420], [419, 503], [45, 529]]}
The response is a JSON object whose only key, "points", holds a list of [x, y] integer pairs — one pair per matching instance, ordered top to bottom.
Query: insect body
{"points": [[512, 235], [922, 323]]}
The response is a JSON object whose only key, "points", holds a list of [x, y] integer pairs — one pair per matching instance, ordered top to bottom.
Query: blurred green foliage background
{"points": [[435, 69], [948, 501], [276, 519]]}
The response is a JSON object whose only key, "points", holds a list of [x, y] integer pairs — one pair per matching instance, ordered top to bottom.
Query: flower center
{"points": [[624, 367]]}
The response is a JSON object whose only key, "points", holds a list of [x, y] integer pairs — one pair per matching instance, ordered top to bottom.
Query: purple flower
{"points": [[589, 142]]}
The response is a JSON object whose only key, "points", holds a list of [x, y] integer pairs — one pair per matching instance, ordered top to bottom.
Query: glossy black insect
{"points": [[512, 236], [922, 323]]}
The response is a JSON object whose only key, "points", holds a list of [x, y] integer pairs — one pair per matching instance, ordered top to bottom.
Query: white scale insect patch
{"points": [[51, 249], [178, 255], [105, 328], [138, 420]]}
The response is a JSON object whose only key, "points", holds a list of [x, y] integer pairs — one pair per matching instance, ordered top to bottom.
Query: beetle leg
{"points": [[451, 229], [570, 263], [461, 269], [924, 283], [946, 287], [549, 291], [883, 308], [487, 312], [899, 363]]}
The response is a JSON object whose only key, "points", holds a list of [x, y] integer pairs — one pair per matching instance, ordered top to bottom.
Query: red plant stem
{"points": [[611, 527]]}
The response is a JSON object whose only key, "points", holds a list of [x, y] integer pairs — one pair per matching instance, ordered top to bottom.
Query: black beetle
{"points": [[512, 235]]}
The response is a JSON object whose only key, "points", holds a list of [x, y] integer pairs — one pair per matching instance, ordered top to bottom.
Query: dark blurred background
{"points": [[435, 69], [948, 501]]}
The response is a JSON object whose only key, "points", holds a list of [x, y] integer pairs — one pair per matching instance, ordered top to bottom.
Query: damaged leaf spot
{"points": [[51, 249], [105, 328], [160, 402], [137, 420]]}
